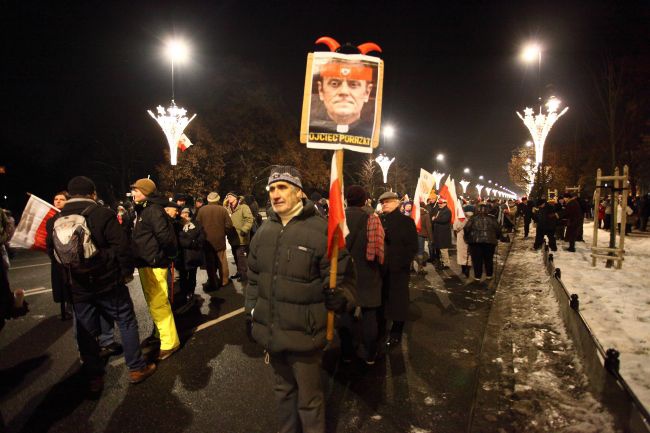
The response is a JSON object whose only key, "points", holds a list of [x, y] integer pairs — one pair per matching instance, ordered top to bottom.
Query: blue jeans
{"points": [[115, 306], [107, 330]]}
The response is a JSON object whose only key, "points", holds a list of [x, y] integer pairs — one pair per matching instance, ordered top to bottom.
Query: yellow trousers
{"points": [[154, 286]]}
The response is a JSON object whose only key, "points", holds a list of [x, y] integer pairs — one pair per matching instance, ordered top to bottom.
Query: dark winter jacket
{"points": [[547, 218], [574, 218], [216, 223], [442, 228], [482, 229], [191, 238], [154, 239], [401, 241], [112, 265], [288, 270], [368, 273]]}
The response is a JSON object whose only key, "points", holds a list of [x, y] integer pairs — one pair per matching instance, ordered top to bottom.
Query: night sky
{"points": [[453, 80]]}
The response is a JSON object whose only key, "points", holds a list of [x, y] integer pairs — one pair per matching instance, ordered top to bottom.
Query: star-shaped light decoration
{"points": [[173, 122], [540, 125], [384, 162], [437, 177], [464, 184]]}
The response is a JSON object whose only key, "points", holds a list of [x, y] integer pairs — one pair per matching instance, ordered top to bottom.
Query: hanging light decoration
{"points": [[173, 122], [540, 124], [384, 162], [464, 184]]}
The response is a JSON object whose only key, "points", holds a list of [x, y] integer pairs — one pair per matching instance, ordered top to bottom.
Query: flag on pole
{"points": [[184, 142], [425, 184], [448, 191], [460, 213], [336, 215], [30, 232]]}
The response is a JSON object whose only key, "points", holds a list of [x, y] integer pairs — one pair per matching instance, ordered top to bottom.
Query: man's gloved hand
{"points": [[334, 300]]}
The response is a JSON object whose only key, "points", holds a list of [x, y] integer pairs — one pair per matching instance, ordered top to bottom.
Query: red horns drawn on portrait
{"points": [[334, 46]]}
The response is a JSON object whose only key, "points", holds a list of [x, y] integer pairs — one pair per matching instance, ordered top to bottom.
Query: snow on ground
{"points": [[615, 303], [549, 390]]}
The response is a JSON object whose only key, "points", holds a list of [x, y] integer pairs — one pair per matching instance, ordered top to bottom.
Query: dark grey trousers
{"points": [[299, 391]]}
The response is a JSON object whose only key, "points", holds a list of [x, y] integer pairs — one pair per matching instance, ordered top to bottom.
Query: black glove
{"points": [[334, 300]]}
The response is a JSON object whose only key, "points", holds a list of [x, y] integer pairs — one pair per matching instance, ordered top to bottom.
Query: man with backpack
{"points": [[87, 240], [155, 245]]}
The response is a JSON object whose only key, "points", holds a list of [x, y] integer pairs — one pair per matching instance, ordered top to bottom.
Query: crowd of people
{"points": [[283, 264]]}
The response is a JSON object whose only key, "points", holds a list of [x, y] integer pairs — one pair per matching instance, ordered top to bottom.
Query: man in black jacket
{"points": [[547, 218], [482, 233], [155, 244], [401, 247], [100, 289], [287, 299]]}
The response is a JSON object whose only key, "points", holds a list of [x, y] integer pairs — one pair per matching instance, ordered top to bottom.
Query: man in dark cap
{"points": [[401, 247], [98, 287], [287, 298]]}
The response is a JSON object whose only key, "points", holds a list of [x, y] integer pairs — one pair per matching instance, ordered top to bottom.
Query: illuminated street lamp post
{"points": [[174, 120], [540, 125], [384, 162], [437, 177], [464, 184], [479, 188]]}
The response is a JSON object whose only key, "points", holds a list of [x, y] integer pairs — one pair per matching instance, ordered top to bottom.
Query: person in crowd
{"points": [[315, 197], [181, 200], [198, 203], [432, 208], [172, 210], [255, 210], [527, 212], [628, 212], [645, 212], [601, 214], [574, 217], [546, 218], [242, 221], [216, 222], [607, 225], [442, 232], [482, 233], [424, 234], [191, 239], [401, 243], [155, 245], [366, 246], [463, 257], [98, 284], [60, 293], [287, 299]]}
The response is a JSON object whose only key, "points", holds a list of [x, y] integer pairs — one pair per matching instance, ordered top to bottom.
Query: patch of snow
{"points": [[614, 302]]}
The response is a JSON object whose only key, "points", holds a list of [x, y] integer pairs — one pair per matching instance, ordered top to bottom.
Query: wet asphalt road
{"points": [[218, 382]]}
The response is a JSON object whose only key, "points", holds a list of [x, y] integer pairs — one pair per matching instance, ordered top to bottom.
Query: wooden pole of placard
{"points": [[334, 259]]}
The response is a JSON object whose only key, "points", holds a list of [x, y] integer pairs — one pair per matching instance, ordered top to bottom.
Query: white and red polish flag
{"points": [[184, 142], [425, 183], [448, 191], [336, 215], [30, 232]]}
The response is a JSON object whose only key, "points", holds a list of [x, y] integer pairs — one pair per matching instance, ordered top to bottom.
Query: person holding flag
{"points": [[287, 298]]}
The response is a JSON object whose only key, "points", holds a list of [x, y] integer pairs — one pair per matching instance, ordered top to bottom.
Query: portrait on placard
{"points": [[342, 102]]}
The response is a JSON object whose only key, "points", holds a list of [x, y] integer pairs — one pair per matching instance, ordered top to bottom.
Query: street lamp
{"points": [[174, 120], [539, 125], [389, 131], [529, 143], [440, 157], [384, 162], [466, 170], [437, 177], [481, 177], [464, 184], [479, 187]]}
